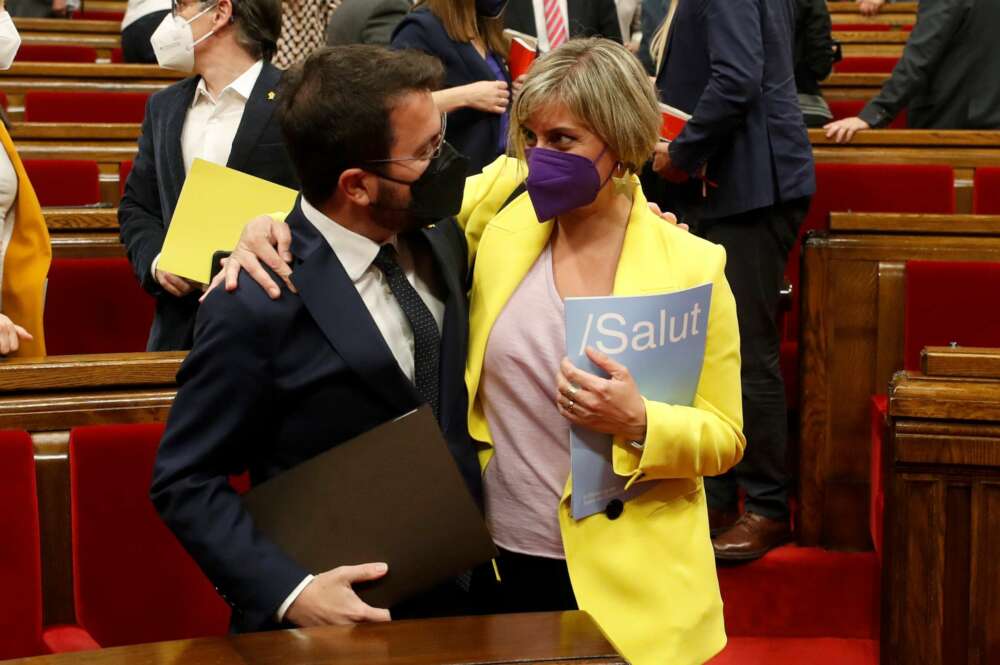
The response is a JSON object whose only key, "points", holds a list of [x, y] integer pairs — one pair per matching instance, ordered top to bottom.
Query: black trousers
{"points": [[135, 38], [757, 244], [527, 584]]}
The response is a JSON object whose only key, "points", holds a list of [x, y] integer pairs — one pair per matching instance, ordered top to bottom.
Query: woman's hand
{"points": [[488, 96], [664, 167], [263, 239], [11, 335], [610, 406]]}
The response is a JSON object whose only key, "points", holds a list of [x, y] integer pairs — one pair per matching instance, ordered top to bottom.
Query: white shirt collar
{"points": [[242, 85], [355, 252]]}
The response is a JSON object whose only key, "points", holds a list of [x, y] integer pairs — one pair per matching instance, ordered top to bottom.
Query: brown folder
{"points": [[393, 494]]}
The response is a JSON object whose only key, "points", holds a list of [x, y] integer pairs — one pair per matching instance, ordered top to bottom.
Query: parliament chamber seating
{"points": [[92, 15], [55, 53], [865, 65], [85, 107], [846, 108], [64, 182], [859, 188], [986, 191], [95, 305], [20, 559], [133, 582]]}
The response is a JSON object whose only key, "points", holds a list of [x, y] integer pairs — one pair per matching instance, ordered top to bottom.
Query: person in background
{"points": [[39, 8], [653, 12], [141, 18], [555, 21], [365, 22], [630, 23], [303, 24], [467, 36], [815, 53], [729, 64], [948, 76], [223, 114], [25, 251]]}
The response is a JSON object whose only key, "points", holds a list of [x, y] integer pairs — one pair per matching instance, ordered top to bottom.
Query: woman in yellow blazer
{"points": [[24, 239], [648, 577]]}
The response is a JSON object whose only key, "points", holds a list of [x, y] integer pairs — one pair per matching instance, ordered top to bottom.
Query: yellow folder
{"points": [[215, 204]]}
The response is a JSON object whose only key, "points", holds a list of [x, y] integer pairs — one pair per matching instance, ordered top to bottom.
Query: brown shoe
{"points": [[719, 520], [750, 538]]}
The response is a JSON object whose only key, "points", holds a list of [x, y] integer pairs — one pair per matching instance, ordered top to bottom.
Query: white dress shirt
{"points": [[136, 9], [540, 28], [210, 124], [8, 198], [356, 253]]}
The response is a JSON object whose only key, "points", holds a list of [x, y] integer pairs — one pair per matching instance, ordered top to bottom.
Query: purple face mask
{"points": [[560, 181]]}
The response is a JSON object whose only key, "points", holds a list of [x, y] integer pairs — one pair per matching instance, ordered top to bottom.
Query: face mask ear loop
{"points": [[198, 16]]}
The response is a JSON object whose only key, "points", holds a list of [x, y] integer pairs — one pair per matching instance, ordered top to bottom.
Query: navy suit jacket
{"points": [[587, 18], [729, 64], [475, 134], [157, 176], [271, 383]]}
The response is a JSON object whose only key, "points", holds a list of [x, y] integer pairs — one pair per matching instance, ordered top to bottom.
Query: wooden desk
{"points": [[897, 14], [67, 26], [852, 85], [853, 285], [941, 576], [569, 638]]}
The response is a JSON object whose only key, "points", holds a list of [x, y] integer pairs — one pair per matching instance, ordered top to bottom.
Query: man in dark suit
{"points": [[583, 18], [365, 21], [729, 64], [948, 76], [223, 114], [378, 324]]}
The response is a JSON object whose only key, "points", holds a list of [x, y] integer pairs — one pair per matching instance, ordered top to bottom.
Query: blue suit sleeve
{"points": [[736, 60], [219, 412]]}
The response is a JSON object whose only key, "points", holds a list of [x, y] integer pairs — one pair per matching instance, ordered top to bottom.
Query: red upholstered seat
{"points": [[98, 16], [862, 27], [56, 53], [117, 56], [869, 64], [4, 101], [40, 106], [849, 108], [124, 169], [64, 182], [862, 188], [986, 195], [95, 306], [876, 495], [20, 562], [133, 582], [796, 651]]}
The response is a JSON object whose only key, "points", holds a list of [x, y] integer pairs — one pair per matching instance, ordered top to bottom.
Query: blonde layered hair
{"points": [[463, 24], [658, 44], [604, 86]]}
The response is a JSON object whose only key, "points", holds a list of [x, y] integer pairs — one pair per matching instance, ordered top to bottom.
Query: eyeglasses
{"points": [[177, 6], [432, 151]]}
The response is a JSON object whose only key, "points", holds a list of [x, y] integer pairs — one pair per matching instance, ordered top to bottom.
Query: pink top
{"points": [[524, 480]]}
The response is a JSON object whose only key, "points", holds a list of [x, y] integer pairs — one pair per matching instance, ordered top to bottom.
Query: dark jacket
{"points": [[587, 18], [365, 22], [814, 47], [729, 64], [949, 75], [474, 133], [157, 176], [272, 383]]}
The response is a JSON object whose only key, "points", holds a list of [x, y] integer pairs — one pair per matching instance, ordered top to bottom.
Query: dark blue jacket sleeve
{"points": [[736, 59], [218, 416]]}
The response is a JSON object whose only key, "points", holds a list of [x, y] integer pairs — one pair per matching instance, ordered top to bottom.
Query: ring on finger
{"points": [[573, 388], [570, 404]]}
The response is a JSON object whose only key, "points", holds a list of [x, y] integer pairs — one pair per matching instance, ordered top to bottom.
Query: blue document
{"points": [[661, 339]]}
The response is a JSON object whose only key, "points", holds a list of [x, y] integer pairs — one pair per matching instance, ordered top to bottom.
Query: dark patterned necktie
{"points": [[426, 338]]}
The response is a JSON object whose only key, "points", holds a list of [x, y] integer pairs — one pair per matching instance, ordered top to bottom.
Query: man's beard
{"points": [[390, 210]]}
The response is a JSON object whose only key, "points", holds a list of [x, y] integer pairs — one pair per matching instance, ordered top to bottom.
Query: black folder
{"points": [[393, 494]]}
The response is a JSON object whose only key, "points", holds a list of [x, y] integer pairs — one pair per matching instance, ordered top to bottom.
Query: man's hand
{"points": [[870, 7], [844, 130], [664, 167], [666, 216], [263, 239], [174, 285], [11, 334], [329, 600]]}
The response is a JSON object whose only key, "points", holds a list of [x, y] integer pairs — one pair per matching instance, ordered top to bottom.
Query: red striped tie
{"points": [[555, 24]]}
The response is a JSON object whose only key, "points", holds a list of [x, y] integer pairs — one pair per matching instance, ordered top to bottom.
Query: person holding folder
{"points": [[223, 114], [587, 117], [377, 325]]}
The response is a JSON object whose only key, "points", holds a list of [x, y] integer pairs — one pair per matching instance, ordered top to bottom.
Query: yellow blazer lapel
{"points": [[643, 264]]}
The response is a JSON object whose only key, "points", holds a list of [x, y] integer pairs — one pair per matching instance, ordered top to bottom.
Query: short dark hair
{"points": [[258, 26], [335, 108]]}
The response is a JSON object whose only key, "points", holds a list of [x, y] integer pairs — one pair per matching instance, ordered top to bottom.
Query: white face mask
{"points": [[10, 41], [173, 41]]}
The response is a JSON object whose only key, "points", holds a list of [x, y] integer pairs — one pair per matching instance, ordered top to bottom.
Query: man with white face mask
{"points": [[223, 114], [24, 239]]}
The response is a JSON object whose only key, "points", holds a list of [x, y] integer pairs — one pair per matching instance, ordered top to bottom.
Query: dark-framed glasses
{"points": [[433, 150]]}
